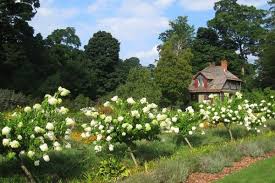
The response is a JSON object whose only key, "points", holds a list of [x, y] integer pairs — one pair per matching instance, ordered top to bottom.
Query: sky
{"points": [[135, 23]]}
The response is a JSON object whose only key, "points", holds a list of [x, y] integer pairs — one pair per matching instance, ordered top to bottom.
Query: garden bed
{"points": [[244, 163]]}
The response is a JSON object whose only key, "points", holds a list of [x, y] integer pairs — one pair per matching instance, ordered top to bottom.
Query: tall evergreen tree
{"points": [[103, 52], [173, 74]]}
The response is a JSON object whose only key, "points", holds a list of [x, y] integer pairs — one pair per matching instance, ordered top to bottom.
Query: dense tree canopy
{"points": [[240, 27], [140, 83]]}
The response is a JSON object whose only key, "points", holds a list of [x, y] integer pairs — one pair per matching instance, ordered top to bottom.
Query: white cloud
{"points": [[164, 3], [204, 5], [101, 6], [49, 17], [137, 24], [147, 56]]}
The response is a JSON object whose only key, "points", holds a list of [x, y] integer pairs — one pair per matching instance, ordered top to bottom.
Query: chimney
{"points": [[224, 65]]}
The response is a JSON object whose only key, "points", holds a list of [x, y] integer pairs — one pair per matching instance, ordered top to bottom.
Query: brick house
{"points": [[214, 80]]}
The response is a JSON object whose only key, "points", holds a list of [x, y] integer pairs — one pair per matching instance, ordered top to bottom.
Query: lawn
{"points": [[262, 171]]}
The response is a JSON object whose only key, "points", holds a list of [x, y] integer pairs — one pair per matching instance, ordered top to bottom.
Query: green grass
{"points": [[262, 171]]}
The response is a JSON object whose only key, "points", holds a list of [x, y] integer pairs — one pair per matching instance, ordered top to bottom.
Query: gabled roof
{"points": [[218, 77]]}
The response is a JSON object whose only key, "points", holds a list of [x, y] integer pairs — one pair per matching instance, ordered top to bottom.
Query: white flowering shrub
{"points": [[121, 121], [183, 123], [33, 132]]}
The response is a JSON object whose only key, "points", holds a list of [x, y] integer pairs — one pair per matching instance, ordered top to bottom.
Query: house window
{"points": [[200, 81]]}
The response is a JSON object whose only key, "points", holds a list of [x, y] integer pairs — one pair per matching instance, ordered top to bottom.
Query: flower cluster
{"points": [[236, 110], [121, 121], [34, 131]]}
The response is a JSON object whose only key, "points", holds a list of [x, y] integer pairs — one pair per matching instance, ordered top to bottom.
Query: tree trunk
{"points": [[230, 133], [187, 141], [133, 156], [27, 173]]}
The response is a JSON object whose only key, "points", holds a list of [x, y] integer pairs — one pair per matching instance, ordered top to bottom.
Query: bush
{"points": [[10, 100], [251, 149], [171, 171]]}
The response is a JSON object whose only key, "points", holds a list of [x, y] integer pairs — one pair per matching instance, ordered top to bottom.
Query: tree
{"points": [[271, 18], [239, 26], [14, 33], [180, 33], [65, 37], [207, 48], [103, 53], [266, 62], [173, 74], [139, 84]]}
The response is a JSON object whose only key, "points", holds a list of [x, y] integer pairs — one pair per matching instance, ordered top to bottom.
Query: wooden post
{"points": [[187, 141], [133, 156], [27, 172]]}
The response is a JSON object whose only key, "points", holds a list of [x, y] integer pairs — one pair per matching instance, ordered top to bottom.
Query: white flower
{"points": [[63, 91], [239, 95], [114, 99], [59, 100], [143, 100], [52, 101], [130, 101], [107, 104], [36, 106], [27, 109], [146, 109], [63, 110], [164, 110], [190, 110], [135, 114], [151, 115], [102, 116], [161, 117], [120, 118], [108, 119], [174, 119], [70, 122], [93, 123], [20, 124], [201, 125], [49, 126], [138, 126], [101, 127], [129, 127], [147, 127], [193, 128], [37, 129], [88, 129], [175, 129], [6, 130], [190, 132], [203, 132], [123, 134], [32, 136], [19, 137], [98, 137], [109, 138], [6, 142], [14, 144], [56, 144], [68, 146], [44, 147], [111, 147], [98, 148], [22, 152], [30, 154], [46, 157], [36, 163]]}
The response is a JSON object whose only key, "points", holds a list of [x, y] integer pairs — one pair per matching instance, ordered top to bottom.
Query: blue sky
{"points": [[135, 23]]}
